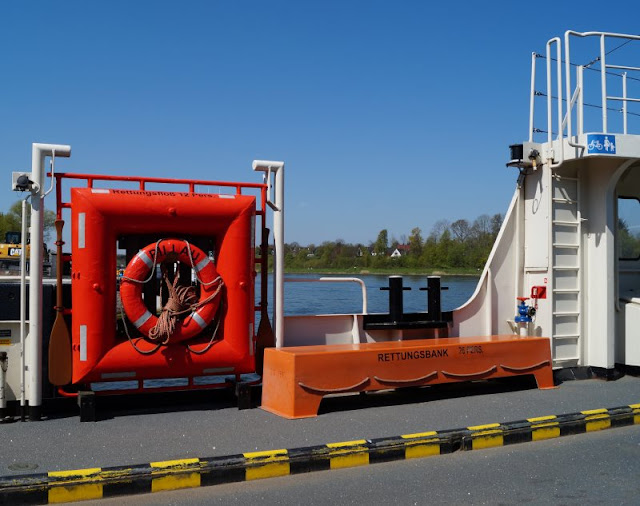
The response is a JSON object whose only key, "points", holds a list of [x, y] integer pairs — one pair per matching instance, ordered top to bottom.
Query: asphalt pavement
{"points": [[137, 432], [595, 468]]}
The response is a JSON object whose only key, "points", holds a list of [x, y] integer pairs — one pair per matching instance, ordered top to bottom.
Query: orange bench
{"points": [[295, 379]]}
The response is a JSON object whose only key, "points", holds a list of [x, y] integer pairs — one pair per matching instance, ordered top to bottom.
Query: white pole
{"points": [[567, 71], [559, 73], [603, 81], [532, 95], [549, 100], [624, 103], [580, 108], [278, 236], [278, 241], [519, 271], [23, 305], [488, 322], [34, 338]]}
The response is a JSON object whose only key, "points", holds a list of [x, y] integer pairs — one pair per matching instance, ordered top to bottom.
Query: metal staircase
{"points": [[566, 282]]}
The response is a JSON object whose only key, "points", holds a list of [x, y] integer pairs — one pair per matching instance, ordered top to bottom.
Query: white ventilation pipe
{"points": [[278, 239], [34, 339]]}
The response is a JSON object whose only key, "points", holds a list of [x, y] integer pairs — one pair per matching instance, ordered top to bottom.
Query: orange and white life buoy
{"points": [[140, 270]]}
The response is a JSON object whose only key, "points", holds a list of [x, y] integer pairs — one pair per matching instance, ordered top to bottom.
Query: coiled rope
{"points": [[180, 301]]}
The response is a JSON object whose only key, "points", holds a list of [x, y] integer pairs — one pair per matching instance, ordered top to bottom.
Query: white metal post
{"points": [[567, 71], [603, 80], [559, 92], [533, 95], [549, 99], [624, 103], [580, 107], [552, 156], [278, 236], [278, 240], [519, 273], [23, 305], [34, 338]]}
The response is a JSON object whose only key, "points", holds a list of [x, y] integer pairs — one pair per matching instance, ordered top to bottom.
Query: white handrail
{"points": [[603, 68], [603, 81], [533, 95], [574, 98], [623, 98], [624, 102], [580, 110], [551, 154], [277, 168], [336, 280], [489, 305]]}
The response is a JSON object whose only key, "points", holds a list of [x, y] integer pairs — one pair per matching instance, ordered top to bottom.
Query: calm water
{"points": [[326, 298]]}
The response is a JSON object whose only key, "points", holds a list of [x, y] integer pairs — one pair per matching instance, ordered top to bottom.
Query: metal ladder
{"points": [[566, 255]]}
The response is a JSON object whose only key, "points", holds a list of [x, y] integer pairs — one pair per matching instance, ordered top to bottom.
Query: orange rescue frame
{"points": [[99, 217]]}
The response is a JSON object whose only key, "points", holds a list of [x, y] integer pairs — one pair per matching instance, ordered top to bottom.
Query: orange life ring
{"points": [[139, 271]]}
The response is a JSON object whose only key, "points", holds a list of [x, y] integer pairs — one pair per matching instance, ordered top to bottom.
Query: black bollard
{"points": [[396, 304], [434, 305], [398, 319]]}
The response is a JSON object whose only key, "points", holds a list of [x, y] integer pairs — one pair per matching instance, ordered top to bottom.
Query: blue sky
{"points": [[388, 114]]}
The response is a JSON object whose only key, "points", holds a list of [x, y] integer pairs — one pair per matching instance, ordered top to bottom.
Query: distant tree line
{"points": [[11, 221], [457, 245]]}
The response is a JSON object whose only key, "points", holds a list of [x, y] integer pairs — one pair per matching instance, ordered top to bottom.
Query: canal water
{"points": [[309, 297]]}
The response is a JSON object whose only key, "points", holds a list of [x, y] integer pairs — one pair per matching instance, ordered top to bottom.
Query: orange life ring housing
{"points": [[139, 270]]}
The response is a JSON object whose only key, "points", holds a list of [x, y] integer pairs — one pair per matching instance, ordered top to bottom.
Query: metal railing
{"points": [[570, 99], [336, 280]]}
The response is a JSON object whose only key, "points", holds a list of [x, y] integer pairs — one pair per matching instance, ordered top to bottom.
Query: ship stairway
{"points": [[566, 282]]}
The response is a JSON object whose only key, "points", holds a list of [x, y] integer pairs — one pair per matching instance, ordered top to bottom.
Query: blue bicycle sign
{"points": [[601, 144]]}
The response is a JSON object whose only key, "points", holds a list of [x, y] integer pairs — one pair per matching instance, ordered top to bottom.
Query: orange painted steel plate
{"points": [[295, 379]]}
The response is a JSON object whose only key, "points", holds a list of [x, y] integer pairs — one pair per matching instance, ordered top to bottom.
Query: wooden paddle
{"points": [[265, 337], [60, 340]]}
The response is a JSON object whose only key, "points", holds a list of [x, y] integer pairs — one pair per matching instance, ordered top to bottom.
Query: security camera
{"points": [[21, 182]]}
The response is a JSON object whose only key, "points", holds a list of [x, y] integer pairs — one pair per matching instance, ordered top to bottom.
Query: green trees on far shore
{"points": [[11, 221], [457, 245]]}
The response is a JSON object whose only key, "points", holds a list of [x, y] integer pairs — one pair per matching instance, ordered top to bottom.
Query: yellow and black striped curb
{"points": [[96, 483]]}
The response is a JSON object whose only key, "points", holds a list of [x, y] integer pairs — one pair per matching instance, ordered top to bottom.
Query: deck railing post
{"points": [[278, 240], [34, 337]]}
